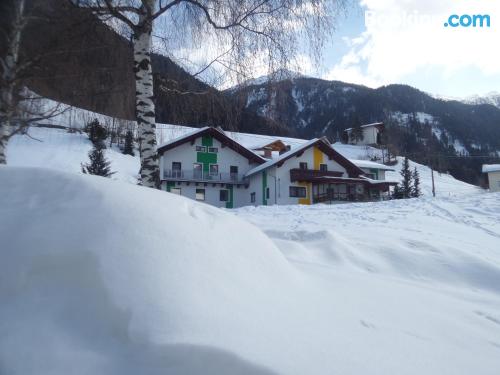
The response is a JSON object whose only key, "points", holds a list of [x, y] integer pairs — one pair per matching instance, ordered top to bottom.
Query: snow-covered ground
{"points": [[104, 277]]}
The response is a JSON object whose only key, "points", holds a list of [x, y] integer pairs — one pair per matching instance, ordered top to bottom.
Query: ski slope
{"points": [[104, 277]]}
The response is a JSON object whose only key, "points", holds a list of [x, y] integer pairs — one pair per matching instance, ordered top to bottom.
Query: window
{"points": [[201, 149], [213, 149], [303, 165], [323, 167], [176, 169], [214, 169], [197, 170], [233, 172], [175, 191], [297, 192], [267, 193], [200, 194], [224, 195], [252, 197]]}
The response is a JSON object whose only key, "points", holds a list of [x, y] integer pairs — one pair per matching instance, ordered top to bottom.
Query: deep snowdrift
{"points": [[103, 277]]}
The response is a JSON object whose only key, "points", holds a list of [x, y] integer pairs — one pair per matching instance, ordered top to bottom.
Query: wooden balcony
{"points": [[298, 174]]}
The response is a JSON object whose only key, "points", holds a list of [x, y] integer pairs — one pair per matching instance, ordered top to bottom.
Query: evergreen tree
{"points": [[357, 131], [97, 133], [128, 148], [98, 164], [406, 188], [397, 193], [415, 193]]}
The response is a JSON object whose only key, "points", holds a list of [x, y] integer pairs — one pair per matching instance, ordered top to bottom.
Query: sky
{"points": [[381, 42]]}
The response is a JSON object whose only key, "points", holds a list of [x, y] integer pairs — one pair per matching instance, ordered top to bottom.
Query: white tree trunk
{"points": [[9, 70], [145, 108]]}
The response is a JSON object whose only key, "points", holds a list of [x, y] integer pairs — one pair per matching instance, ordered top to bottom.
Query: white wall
{"points": [[186, 154], [494, 181]]}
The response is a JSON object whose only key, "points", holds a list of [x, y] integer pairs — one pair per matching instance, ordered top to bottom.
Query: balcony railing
{"points": [[297, 174], [203, 176]]}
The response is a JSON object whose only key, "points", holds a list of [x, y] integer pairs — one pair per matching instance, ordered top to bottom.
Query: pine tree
{"points": [[357, 131], [97, 133], [128, 148], [98, 165], [406, 188], [415, 193]]}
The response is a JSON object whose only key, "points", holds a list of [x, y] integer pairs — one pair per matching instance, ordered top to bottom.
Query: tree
{"points": [[242, 28], [19, 107], [357, 131], [97, 133], [128, 148], [98, 165], [406, 185], [415, 192], [397, 193]]}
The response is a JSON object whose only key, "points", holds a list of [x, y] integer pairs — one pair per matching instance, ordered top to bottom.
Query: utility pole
{"points": [[433, 187]]}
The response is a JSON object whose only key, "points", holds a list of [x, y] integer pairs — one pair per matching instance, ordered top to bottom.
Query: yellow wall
{"points": [[317, 158], [307, 199]]}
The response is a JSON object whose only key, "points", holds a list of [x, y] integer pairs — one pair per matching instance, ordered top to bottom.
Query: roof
{"points": [[377, 124], [217, 134], [275, 145], [323, 145], [371, 165], [487, 168]]}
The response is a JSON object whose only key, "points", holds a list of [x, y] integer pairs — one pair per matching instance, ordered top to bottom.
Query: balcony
{"points": [[298, 174], [203, 176]]}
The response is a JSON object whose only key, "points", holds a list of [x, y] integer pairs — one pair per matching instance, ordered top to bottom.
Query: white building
{"points": [[370, 134], [208, 166], [493, 171], [313, 173]]}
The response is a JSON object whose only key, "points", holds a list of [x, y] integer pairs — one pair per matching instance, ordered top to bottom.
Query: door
{"points": [[197, 170]]}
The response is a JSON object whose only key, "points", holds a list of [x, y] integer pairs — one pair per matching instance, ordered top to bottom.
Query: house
{"points": [[370, 134], [207, 165], [493, 171], [313, 173]]}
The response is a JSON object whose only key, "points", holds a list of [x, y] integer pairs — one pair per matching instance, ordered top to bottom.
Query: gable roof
{"points": [[217, 134], [323, 145]]}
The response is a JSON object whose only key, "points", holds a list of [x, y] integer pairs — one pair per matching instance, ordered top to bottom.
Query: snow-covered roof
{"points": [[368, 125], [185, 135], [283, 156], [371, 165], [487, 168], [375, 182]]}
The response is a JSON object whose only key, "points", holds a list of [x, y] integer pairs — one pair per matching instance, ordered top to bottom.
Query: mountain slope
{"points": [[315, 107]]}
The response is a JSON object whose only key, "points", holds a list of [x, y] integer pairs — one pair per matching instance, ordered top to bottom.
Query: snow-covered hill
{"points": [[104, 277]]}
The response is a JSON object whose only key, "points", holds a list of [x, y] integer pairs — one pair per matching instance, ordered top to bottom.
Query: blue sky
{"points": [[423, 53]]}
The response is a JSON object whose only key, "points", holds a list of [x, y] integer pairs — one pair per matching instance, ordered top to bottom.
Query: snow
{"points": [[60, 150], [370, 164], [487, 168], [103, 277]]}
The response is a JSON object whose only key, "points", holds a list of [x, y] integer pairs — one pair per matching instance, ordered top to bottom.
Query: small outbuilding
{"points": [[493, 172]]}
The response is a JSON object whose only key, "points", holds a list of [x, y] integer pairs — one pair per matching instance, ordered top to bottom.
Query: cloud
{"points": [[404, 36]]}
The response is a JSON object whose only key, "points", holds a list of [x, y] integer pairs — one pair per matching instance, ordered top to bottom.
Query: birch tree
{"points": [[246, 27], [19, 107]]}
